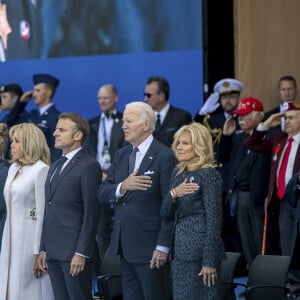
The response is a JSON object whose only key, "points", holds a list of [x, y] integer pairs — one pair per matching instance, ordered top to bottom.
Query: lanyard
{"points": [[105, 138]]}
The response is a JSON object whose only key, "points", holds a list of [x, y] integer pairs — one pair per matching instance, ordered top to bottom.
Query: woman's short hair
{"points": [[3, 139], [33, 143], [201, 143]]}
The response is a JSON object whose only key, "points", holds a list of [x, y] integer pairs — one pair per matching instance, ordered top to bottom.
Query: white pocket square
{"points": [[149, 172]]}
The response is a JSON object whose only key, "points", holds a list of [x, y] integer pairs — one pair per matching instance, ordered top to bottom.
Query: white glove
{"points": [[210, 105]]}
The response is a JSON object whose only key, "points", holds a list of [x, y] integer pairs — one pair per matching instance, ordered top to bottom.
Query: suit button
{"points": [[230, 191], [49, 202], [124, 204]]}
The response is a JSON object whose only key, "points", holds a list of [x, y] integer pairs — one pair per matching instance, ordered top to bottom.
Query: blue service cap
{"points": [[45, 78], [228, 85]]}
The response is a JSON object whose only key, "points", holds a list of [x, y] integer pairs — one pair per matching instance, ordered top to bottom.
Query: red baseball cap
{"points": [[247, 105]]}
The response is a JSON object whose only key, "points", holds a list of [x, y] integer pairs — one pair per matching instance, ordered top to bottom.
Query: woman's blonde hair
{"points": [[3, 139], [33, 144], [202, 144]]}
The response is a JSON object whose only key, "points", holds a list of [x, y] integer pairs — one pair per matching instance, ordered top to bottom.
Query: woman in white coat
{"points": [[25, 201]]}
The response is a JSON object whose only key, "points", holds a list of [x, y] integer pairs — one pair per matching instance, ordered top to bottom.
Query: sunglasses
{"points": [[149, 95]]}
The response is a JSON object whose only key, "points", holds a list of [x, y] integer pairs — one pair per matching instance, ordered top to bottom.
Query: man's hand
{"points": [[26, 97], [273, 121], [229, 126], [135, 183], [158, 259], [41, 262], [77, 265]]}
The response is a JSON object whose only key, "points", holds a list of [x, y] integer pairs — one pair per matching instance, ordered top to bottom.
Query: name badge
{"points": [[106, 155]]}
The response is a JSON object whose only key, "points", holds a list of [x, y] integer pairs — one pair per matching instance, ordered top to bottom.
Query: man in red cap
{"points": [[283, 147], [248, 176]]}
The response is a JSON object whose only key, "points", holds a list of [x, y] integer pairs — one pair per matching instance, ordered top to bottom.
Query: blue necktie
{"points": [[132, 158], [56, 176]]}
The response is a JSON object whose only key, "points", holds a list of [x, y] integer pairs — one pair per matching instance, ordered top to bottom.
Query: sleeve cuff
{"points": [[260, 127], [118, 194], [162, 249], [81, 255]]}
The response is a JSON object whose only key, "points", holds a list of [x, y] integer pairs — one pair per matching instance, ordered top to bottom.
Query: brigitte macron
{"points": [[25, 201]]}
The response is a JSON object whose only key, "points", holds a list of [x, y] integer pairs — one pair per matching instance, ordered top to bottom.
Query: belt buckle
{"points": [[31, 214]]}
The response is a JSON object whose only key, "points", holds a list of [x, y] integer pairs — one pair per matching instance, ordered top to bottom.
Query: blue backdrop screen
{"points": [[90, 43]]}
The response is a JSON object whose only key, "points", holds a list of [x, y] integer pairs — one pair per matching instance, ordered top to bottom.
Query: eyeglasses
{"points": [[149, 95]]}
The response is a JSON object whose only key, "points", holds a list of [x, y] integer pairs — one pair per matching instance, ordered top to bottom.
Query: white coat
{"points": [[23, 192]]}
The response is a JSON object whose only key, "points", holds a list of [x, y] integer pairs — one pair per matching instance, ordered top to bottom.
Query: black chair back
{"points": [[228, 267], [267, 278], [109, 281]]}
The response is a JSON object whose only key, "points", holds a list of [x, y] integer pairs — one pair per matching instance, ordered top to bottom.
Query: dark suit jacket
{"points": [[273, 111], [174, 119], [215, 119], [46, 122], [215, 124], [117, 136], [258, 143], [255, 166], [293, 197], [71, 210], [200, 213], [138, 226]]}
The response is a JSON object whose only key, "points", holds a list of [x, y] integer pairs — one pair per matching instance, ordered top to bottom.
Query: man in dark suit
{"points": [[287, 92], [46, 116], [168, 118], [106, 134], [105, 138], [285, 153], [136, 183], [71, 212]]}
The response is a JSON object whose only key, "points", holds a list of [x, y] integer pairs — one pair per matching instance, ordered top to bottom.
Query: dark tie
{"points": [[157, 124], [131, 160], [59, 166], [282, 169]]}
